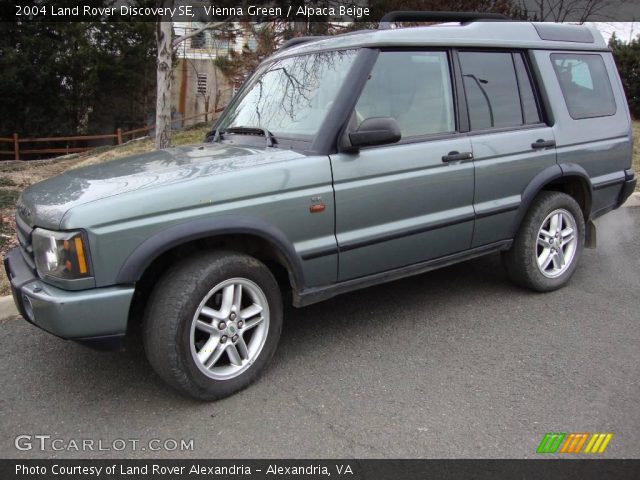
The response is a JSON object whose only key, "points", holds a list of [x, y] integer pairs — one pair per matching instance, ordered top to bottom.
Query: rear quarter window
{"points": [[585, 85]]}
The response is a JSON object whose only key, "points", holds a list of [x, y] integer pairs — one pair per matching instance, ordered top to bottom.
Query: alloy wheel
{"points": [[556, 243], [229, 328]]}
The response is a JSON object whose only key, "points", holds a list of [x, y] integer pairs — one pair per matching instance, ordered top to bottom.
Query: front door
{"points": [[401, 204]]}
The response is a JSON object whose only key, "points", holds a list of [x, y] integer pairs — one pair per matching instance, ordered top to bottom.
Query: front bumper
{"points": [[96, 317]]}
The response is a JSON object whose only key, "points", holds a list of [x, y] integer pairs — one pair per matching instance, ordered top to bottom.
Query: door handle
{"points": [[543, 144], [457, 156]]}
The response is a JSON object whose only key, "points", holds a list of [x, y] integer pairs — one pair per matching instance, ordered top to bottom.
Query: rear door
{"points": [[510, 140], [405, 203]]}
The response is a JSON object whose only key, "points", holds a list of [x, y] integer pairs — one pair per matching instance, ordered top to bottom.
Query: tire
{"points": [[525, 261], [183, 337]]}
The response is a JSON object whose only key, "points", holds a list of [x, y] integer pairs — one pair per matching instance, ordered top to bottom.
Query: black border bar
{"points": [[335, 10], [548, 469]]}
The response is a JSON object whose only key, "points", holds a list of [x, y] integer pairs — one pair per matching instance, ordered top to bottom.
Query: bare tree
{"points": [[578, 11], [164, 33], [166, 45]]}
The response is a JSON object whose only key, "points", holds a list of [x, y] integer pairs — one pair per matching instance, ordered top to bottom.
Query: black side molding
{"points": [[346, 246]]}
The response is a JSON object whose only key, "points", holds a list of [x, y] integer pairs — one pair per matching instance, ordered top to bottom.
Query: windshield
{"points": [[292, 96]]}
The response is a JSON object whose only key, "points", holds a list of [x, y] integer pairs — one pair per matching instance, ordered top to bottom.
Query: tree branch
{"points": [[209, 26]]}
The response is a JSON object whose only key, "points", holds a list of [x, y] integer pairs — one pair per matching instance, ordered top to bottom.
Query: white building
{"points": [[198, 85]]}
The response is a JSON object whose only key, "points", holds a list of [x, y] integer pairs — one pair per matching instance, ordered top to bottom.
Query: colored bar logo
{"points": [[574, 442]]}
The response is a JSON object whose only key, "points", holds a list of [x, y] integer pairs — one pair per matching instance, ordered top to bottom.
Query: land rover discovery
{"points": [[343, 162]]}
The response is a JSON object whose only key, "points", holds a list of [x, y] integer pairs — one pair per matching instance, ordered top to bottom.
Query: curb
{"points": [[633, 200], [8, 308]]}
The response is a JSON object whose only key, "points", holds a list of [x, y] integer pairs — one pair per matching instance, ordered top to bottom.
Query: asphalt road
{"points": [[453, 363]]}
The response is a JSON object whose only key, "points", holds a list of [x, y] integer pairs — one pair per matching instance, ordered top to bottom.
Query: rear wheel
{"points": [[549, 243], [213, 324]]}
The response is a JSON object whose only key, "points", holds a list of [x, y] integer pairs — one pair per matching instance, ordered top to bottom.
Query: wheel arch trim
{"points": [[574, 170], [544, 178], [161, 242]]}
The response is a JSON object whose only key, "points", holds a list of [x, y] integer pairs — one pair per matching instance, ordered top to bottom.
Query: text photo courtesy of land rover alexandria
{"points": [[343, 162]]}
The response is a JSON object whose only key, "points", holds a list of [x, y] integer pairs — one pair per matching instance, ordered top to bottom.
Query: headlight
{"points": [[60, 254]]}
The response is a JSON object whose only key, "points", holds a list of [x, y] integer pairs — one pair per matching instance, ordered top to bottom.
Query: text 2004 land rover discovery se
{"points": [[342, 163]]}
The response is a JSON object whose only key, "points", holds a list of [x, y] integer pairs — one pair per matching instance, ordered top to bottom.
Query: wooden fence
{"points": [[118, 138]]}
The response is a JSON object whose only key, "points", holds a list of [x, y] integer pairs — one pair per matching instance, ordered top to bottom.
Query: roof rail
{"points": [[422, 16], [292, 42]]}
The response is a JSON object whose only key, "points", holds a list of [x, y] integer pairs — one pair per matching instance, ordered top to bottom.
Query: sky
{"points": [[624, 30]]}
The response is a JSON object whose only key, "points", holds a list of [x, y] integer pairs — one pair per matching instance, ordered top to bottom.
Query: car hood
{"points": [[44, 204]]}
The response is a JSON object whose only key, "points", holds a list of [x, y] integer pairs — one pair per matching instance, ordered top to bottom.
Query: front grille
{"points": [[24, 238]]}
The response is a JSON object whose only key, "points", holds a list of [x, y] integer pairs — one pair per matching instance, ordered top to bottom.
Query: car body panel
{"points": [[602, 146], [505, 163], [401, 204], [121, 211]]}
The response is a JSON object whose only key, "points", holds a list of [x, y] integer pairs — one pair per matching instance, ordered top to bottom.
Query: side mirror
{"points": [[375, 131]]}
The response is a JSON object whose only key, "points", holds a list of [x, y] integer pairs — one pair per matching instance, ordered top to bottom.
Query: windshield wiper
{"points": [[271, 139]]}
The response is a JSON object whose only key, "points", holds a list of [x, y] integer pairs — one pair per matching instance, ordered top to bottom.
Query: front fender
{"points": [[149, 250]]}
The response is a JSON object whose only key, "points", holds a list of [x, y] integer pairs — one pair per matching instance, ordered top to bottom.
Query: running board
{"points": [[318, 294]]}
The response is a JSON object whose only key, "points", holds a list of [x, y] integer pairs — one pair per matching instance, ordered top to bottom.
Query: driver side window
{"points": [[412, 87]]}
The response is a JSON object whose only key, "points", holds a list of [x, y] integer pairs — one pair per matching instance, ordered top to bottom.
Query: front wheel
{"points": [[547, 248], [213, 323]]}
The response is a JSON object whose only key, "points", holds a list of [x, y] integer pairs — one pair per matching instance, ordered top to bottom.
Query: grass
{"points": [[18, 175], [7, 182], [8, 197]]}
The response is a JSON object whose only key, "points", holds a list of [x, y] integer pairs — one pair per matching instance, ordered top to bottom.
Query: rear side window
{"points": [[585, 85], [412, 87], [498, 89]]}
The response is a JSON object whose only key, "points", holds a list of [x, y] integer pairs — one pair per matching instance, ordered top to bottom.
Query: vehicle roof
{"points": [[489, 34]]}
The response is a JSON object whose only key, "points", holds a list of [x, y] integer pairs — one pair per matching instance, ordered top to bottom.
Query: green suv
{"points": [[342, 162]]}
